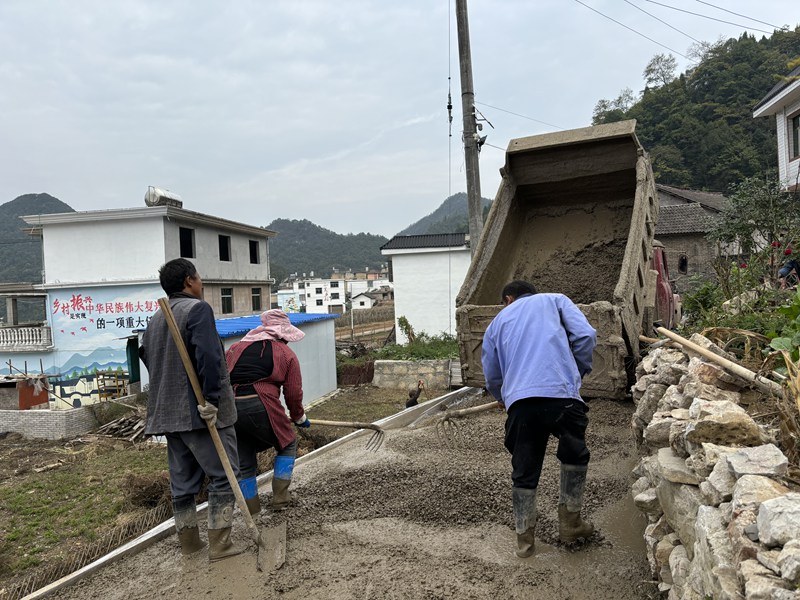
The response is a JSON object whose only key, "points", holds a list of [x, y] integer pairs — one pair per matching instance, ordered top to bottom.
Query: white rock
{"points": [[702, 391], [674, 398], [722, 423], [656, 434], [704, 458], [765, 460], [673, 468], [722, 481], [639, 486], [751, 491], [647, 502], [680, 503], [778, 519], [789, 562], [759, 582]]}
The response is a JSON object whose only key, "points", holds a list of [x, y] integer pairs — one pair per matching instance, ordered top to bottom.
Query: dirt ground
{"points": [[419, 520]]}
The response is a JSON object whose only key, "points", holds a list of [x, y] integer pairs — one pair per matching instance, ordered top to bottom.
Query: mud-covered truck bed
{"points": [[575, 214]]}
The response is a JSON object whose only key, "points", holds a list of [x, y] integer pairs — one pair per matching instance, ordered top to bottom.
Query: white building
{"points": [[783, 101], [427, 273], [100, 282], [359, 286], [325, 296], [362, 301]]}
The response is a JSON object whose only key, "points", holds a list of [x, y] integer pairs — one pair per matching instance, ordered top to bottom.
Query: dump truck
{"points": [[575, 213]]}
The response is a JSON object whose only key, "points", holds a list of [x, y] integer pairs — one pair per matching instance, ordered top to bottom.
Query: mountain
{"points": [[698, 127], [452, 216], [302, 247], [21, 254]]}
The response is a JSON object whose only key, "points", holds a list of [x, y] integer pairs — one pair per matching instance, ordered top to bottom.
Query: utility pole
{"points": [[471, 147]]}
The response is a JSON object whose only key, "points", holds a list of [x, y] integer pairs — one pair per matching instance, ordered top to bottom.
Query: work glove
{"points": [[209, 413], [303, 421]]}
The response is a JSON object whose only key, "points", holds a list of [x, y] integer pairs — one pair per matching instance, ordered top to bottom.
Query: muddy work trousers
{"points": [[529, 425], [254, 434], [191, 456]]}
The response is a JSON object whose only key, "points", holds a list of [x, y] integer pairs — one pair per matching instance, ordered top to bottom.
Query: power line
{"points": [[688, 12], [738, 15], [664, 22], [633, 30], [519, 115]]}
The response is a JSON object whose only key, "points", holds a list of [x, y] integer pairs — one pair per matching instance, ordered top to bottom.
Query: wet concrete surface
{"points": [[420, 520]]}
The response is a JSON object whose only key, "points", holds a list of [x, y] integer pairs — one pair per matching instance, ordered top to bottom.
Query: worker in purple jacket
{"points": [[535, 353]]}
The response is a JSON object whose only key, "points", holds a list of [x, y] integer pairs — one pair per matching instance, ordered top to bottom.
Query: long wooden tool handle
{"points": [[169, 317], [765, 385], [470, 411], [352, 424]]}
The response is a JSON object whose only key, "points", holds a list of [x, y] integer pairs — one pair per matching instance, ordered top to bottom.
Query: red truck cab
{"points": [[667, 302]]}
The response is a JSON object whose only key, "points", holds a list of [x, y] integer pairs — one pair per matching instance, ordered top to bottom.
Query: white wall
{"points": [[787, 169], [93, 251], [206, 259], [425, 288]]}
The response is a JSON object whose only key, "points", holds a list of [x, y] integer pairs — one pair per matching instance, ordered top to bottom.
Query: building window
{"points": [[796, 136], [186, 240], [225, 248], [254, 258], [683, 264], [334, 284], [301, 285], [317, 290], [255, 295], [308, 295], [335, 296], [227, 300], [319, 302], [361, 303]]}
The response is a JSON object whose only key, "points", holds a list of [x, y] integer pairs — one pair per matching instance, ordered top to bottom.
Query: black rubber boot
{"points": [[280, 493], [524, 501], [185, 512], [220, 524], [570, 525]]}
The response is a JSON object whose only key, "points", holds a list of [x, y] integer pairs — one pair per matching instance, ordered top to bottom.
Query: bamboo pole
{"points": [[765, 385]]}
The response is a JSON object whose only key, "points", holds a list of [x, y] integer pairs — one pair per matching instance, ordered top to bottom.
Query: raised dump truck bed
{"points": [[575, 214]]}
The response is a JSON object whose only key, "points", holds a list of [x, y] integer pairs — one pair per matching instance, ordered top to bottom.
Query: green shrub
{"points": [[422, 348]]}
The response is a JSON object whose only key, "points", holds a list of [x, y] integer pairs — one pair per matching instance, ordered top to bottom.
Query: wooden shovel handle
{"points": [[169, 317], [470, 411], [352, 424]]}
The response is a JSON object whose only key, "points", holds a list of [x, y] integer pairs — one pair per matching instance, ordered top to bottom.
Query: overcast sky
{"points": [[329, 111]]}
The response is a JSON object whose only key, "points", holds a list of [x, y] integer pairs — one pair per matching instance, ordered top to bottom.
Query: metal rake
{"points": [[448, 430], [374, 442]]}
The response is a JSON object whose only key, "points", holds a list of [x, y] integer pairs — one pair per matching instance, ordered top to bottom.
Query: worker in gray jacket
{"points": [[535, 353], [172, 410]]}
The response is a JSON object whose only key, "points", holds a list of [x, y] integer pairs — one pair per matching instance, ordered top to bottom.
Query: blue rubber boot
{"points": [[281, 478], [249, 489]]}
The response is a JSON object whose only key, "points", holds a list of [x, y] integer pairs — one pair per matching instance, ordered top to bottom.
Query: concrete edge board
{"points": [[161, 531]]}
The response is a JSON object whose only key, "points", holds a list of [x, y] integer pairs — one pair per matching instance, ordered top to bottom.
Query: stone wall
{"points": [[403, 374], [48, 424], [723, 521]]}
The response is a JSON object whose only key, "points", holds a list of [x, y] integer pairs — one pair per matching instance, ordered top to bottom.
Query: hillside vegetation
{"points": [[699, 126], [452, 216], [302, 247], [21, 254]]}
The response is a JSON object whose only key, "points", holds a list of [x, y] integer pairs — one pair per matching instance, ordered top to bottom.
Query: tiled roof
{"points": [[779, 87], [714, 200], [684, 218], [432, 240], [238, 326]]}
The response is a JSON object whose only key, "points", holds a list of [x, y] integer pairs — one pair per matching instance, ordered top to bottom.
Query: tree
{"points": [[660, 70], [608, 111], [763, 220]]}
